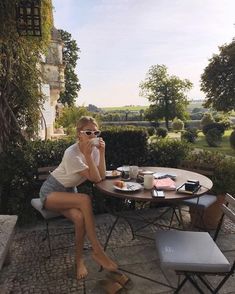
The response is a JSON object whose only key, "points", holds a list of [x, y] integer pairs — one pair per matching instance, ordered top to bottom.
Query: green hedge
{"points": [[125, 145], [167, 152], [19, 164], [222, 166]]}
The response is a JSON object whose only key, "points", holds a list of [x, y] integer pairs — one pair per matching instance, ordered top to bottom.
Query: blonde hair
{"points": [[84, 120]]}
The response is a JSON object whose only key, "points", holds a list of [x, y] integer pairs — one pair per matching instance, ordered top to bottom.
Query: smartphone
{"points": [[158, 193]]}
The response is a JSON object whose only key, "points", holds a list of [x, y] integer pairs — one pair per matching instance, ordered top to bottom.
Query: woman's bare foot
{"points": [[102, 259], [81, 270]]}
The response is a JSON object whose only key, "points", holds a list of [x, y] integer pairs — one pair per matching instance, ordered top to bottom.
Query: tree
{"points": [[70, 57], [20, 78], [218, 79], [167, 93], [93, 108], [69, 117]]}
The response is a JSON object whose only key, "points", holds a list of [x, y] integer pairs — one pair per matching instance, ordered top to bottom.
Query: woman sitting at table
{"points": [[82, 161]]}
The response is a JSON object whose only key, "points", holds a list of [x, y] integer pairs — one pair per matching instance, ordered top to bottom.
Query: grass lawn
{"points": [[201, 143], [224, 148]]}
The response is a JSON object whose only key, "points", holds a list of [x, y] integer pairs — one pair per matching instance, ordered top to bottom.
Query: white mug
{"points": [[95, 141], [134, 170], [148, 181]]}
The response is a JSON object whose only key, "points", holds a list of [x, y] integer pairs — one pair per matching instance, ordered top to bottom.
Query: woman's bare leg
{"points": [[59, 201], [75, 215]]}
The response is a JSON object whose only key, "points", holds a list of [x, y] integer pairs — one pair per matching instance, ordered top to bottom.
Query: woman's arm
{"points": [[102, 162], [92, 173]]}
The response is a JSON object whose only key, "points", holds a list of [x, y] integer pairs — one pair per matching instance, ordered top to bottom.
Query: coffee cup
{"points": [[95, 141], [148, 181]]}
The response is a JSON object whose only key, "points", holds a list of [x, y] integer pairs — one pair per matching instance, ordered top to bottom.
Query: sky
{"points": [[121, 39]]}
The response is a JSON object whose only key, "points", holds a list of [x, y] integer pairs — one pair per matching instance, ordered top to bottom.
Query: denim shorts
{"points": [[52, 185]]}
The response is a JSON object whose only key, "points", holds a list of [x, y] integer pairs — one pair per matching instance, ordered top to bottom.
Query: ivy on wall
{"points": [[20, 77]]}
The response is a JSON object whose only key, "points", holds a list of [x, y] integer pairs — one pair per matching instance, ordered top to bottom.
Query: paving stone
{"points": [[31, 271]]}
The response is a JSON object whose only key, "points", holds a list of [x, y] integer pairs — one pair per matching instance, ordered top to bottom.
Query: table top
{"points": [[106, 186]]}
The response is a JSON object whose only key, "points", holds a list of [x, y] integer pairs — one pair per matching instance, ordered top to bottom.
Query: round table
{"points": [[107, 186], [171, 198]]}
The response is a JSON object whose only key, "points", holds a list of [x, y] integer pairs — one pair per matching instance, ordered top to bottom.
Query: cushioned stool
{"points": [[200, 204], [196, 255]]}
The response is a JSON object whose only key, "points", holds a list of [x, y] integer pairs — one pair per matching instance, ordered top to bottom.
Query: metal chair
{"points": [[42, 174], [195, 254]]}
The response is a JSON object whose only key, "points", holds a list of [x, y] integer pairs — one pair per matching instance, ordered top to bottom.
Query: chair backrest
{"points": [[44, 172], [228, 209]]}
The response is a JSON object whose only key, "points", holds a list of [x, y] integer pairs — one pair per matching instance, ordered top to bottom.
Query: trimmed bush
{"points": [[207, 119], [177, 124], [219, 126], [151, 131], [161, 132], [188, 136], [214, 137], [232, 139], [125, 145], [167, 152], [223, 168]]}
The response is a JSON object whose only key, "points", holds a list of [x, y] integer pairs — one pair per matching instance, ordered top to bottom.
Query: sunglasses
{"points": [[88, 133]]}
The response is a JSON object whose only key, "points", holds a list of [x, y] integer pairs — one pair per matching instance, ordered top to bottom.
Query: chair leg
{"points": [[48, 238], [188, 278], [223, 281], [194, 284], [181, 285]]}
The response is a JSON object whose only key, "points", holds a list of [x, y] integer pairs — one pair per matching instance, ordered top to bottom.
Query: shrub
{"points": [[196, 116], [207, 119], [223, 119], [177, 124], [220, 127], [193, 130], [151, 131], [161, 132], [188, 136], [214, 137], [232, 139], [167, 152], [19, 164], [223, 168]]}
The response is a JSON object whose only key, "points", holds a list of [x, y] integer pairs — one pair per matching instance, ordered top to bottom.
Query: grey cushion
{"points": [[204, 201], [47, 214], [190, 251]]}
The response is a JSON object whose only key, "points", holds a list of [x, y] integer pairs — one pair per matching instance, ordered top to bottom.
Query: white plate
{"points": [[124, 168], [113, 173], [164, 175], [129, 187]]}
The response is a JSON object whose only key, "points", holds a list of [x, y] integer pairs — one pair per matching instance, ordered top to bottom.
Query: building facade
{"points": [[52, 68]]}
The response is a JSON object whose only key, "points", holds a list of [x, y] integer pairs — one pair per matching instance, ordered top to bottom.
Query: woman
{"points": [[82, 161]]}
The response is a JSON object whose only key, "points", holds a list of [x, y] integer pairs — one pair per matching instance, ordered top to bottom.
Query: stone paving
{"points": [[31, 271]]}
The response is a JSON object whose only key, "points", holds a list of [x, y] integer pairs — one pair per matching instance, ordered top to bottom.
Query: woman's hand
{"points": [[101, 146]]}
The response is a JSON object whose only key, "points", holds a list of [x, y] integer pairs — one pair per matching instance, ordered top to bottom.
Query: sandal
{"points": [[122, 279], [111, 287]]}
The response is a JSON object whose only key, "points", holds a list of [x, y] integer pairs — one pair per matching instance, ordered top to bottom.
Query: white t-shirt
{"points": [[73, 162]]}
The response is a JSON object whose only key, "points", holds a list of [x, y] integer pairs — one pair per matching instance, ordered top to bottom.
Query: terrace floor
{"points": [[31, 271]]}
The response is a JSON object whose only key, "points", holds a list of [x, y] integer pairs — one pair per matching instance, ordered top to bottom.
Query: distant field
{"points": [[191, 106], [124, 108]]}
